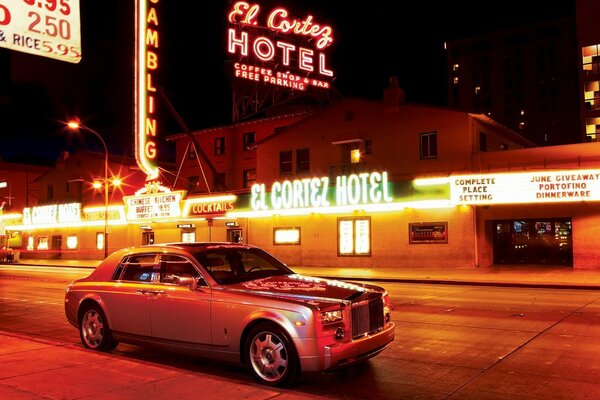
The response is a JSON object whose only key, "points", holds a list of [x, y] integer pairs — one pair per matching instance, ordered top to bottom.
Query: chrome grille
{"points": [[367, 317]]}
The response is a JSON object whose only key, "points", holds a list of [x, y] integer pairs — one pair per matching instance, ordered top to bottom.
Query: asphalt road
{"points": [[452, 341]]}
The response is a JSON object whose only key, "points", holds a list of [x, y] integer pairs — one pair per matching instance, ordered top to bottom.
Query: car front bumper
{"points": [[340, 354]]}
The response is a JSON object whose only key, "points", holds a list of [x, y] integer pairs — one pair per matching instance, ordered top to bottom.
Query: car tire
{"points": [[94, 331], [271, 355]]}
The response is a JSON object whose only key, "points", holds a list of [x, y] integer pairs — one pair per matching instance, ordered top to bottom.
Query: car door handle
{"points": [[147, 291]]}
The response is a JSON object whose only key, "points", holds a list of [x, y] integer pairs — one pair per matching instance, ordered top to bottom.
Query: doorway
{"points": [[534, 241]]}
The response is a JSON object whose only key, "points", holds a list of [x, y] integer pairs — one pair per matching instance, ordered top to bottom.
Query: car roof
{"points": [[196, 246]]}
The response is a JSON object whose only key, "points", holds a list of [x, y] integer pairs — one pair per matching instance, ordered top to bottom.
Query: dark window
{"points": [[249, 139], [482, 141], [429, 145], [219, 146], [368, 147], [191, 153], [303, 160], [285, 162], [249, 177], [219, 181], [193, 183], [50, 193]]}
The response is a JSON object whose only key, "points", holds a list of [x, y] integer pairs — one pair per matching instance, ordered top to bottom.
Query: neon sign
{"points": [[247, 40], [147, 44], [529, 187], [351, 190], [211, 205], [52, 214]]}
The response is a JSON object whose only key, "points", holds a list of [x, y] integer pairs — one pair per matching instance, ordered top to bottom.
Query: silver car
{"points": [[230, 302]]}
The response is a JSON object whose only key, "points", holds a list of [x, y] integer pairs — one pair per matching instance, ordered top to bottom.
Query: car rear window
{"points": [[138, 268]]}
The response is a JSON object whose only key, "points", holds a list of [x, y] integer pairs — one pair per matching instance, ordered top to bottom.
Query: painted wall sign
{"points": [[47, 28], [147, 62], [296, 63], [527, 187], [349, 190], [160, 205], [52, 214]]}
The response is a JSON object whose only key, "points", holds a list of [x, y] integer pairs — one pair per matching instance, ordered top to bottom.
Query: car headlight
{"points": [[329, 317]]}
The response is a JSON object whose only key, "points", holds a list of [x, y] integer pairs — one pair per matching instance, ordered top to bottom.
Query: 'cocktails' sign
{"points": [[296, 63]]}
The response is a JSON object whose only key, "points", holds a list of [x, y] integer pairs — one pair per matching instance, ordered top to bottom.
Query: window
{"points": [[591, 59], [592, 95], [249, 139], [482, 141], [429, 145], [219, 146], [368, 147], [191, 152], [354, 156], [303, 160], [285, 162], [249, 177], [219, 181], [193, 183], [50, 193], [286, 235], [354, 236], [100, 240], [72, 242], [43, 243], [173, 267], [138, 268]]}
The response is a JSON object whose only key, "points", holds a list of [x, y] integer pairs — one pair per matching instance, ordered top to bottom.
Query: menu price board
{"points": [[47, 28]]}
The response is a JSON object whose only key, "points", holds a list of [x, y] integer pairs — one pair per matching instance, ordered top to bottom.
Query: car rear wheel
{"points": [[94, 331], [271, 355]]}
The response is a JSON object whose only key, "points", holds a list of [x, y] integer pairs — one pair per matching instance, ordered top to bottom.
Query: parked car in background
{"points": [[230, 302]]}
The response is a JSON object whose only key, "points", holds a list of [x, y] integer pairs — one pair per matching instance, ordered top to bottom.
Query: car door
{"points": [[128, 301], [178, 313]]}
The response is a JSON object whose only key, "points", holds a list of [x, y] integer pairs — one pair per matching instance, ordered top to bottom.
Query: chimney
{"points": [[393, 95]]}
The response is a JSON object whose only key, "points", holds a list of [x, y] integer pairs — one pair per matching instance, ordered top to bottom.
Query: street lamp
{"points": [[75, 124]]}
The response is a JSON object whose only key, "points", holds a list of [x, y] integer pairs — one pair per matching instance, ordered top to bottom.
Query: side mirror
{"points": [[187, 281], [192, 282]]}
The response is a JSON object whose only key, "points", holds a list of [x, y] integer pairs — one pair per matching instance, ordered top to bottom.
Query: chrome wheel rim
{"points": [[92, 329], [268, 356]]}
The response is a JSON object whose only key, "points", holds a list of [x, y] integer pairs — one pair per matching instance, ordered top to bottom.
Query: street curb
{"points": [[457, 282], [469, 283]]}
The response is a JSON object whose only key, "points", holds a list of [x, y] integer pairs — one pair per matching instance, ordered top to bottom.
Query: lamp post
{"points": [[76, 124]]}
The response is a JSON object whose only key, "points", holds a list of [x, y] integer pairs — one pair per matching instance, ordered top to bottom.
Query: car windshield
{"points": [[234, 265]]}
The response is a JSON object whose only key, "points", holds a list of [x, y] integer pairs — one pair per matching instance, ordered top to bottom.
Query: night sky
{"points": [[371, 44]]}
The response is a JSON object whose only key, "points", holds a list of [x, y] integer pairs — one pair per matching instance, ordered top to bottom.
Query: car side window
{"points": [[217, 264], [173, 267], [138, 268]]}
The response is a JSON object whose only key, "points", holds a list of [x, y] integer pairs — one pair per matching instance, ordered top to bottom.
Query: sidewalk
{"points": [[516, 275]]}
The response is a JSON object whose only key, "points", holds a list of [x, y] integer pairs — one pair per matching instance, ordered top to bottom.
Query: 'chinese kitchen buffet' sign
{"points": [[48, 28], [298, 62], [529, 187], [349, 190], [161, 205]]}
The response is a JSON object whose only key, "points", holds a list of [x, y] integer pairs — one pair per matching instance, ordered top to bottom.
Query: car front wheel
{"points": [[94, 331], [271, 355]]}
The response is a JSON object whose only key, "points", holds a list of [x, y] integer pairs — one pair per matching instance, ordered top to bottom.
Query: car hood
{"points": [[317, 291]]}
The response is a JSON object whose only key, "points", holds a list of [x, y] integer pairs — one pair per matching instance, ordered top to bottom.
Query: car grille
{"points": [[367, 316]]}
